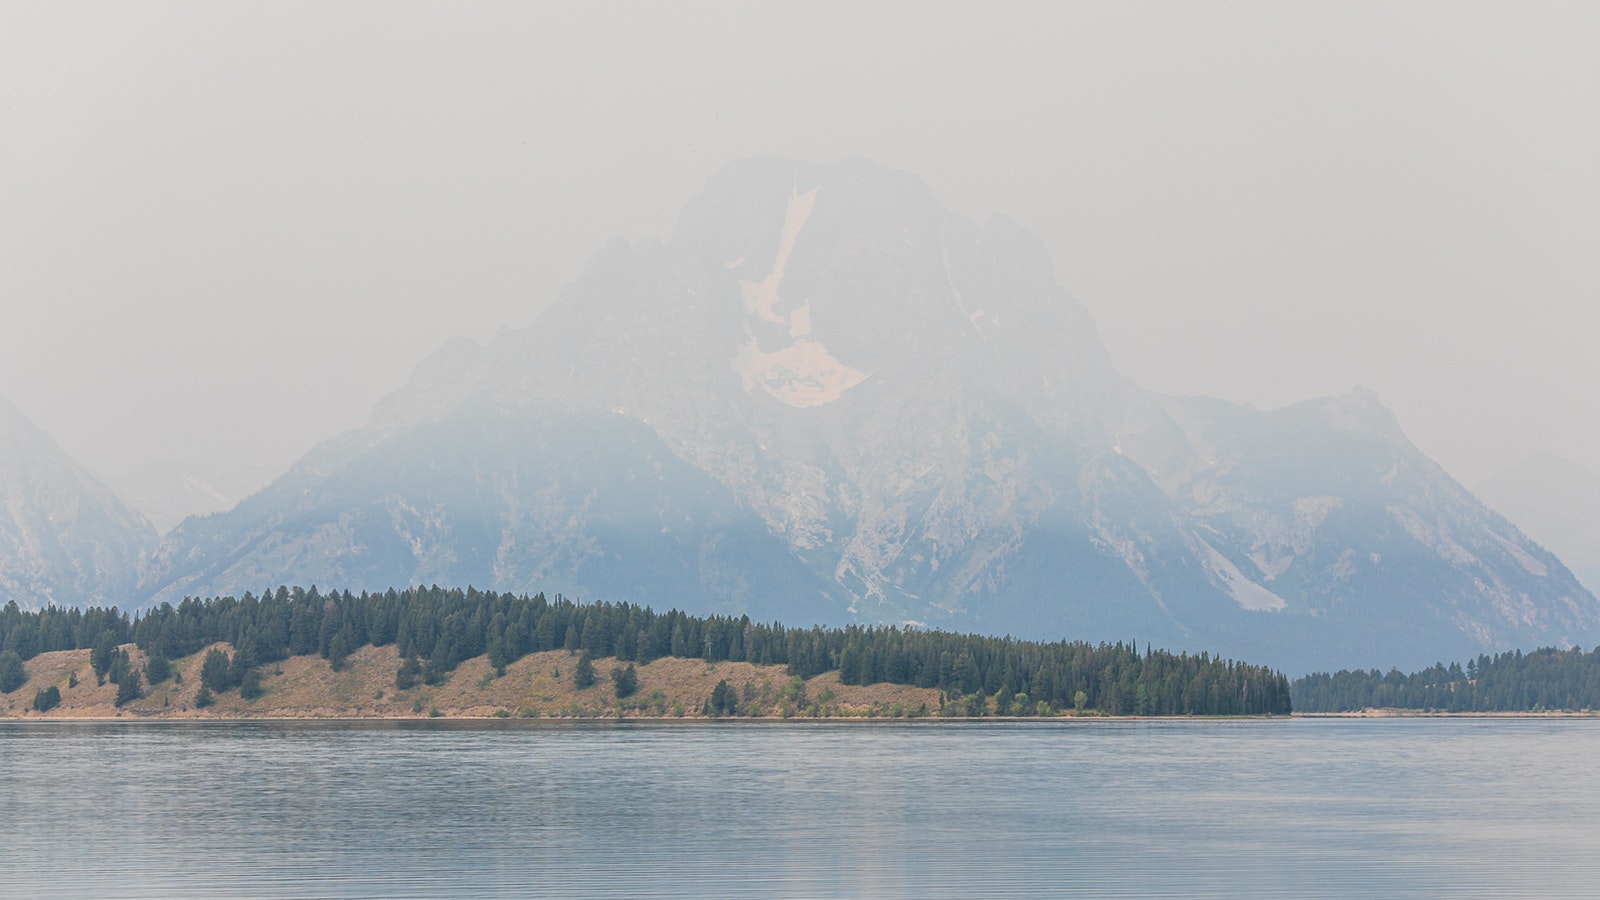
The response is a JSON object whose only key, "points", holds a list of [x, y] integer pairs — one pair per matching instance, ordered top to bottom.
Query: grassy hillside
{"points": [[538, 685]]}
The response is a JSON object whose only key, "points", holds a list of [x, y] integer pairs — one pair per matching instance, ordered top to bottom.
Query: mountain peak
{"points": [[1360, 411]]}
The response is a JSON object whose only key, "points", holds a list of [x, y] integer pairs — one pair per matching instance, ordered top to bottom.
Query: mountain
{"points": [[897, 415], [1558, 502], [64, 537]]}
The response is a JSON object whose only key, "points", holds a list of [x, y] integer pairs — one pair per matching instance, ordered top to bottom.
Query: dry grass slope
{"points": [[539, 685]]}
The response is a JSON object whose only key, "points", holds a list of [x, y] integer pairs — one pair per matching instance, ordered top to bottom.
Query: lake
{"points": [[1208, 808]]}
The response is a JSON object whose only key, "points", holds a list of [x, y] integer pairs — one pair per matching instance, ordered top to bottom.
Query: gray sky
{"points": [[226, 229]]}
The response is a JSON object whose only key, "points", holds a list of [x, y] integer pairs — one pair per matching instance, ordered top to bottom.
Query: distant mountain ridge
{"points": [[826, 398], [170, 491], [65, 539]]}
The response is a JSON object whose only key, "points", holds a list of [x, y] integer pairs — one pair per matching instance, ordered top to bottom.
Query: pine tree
{"points": [[103, 655], [120, 667], [157, 669], [215, 671], [12, 673], [583, 673], [406, 677], [250, 685], [129, 687]]}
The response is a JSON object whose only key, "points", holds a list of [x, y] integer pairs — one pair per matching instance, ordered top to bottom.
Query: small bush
{"points": [[47, 699], [724, 700], [975, 706]]}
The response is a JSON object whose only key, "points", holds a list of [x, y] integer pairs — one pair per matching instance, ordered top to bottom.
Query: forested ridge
{"points": [[436, 629], [1545, 679]]}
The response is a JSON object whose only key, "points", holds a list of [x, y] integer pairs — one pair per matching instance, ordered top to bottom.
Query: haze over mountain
{"points": [[827, 398], [168, 492], [1557, 502], [64, 537]]}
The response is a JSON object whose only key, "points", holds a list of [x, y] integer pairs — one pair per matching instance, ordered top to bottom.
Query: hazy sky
{"points": [[226, 229]]}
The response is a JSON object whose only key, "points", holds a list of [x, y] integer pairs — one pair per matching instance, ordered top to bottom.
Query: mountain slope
{"points": [[907, 410], [503, 493], [1558, 502], [64, 538], [1366, 549]]}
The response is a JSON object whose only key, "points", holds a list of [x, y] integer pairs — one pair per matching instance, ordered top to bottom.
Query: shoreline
{"points": [[1399, 713], [138, 718], [641, 720], [862, 721]]}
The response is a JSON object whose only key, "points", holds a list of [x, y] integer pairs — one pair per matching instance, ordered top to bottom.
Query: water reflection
{"points": [[1211, 808]]}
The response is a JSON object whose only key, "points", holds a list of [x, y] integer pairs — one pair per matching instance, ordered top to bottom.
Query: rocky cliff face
{"points": [[856, 405], [64, 538]]}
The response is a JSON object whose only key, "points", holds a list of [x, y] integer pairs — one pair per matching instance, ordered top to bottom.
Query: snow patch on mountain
{"points": [[800, 371], [1271, 567], [1246, 593]]}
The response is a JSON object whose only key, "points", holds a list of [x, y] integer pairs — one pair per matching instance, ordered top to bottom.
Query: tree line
{"points": [[434, 629], [1544, 679]]}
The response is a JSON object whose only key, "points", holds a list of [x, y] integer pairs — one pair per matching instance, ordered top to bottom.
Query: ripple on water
{"points": [[1286, 808]]}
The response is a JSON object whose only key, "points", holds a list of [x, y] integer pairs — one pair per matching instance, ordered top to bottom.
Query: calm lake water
{"points": [[1454, 808]]}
